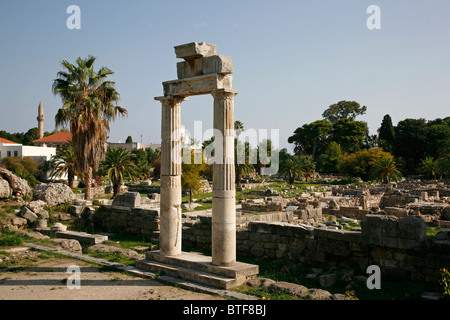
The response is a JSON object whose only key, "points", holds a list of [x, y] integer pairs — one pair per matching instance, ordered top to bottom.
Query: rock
{"points": [[18, 185], [5, 190], [53, 193], [128, 199], [36, 205], [333, 205], [28, 214], [43, 214], [16, 221], [41, 223], [58, 227], [443, 235], [69, 244], [127, 252], [327, 280], [260, 282], [293, 289], [317, 294]]}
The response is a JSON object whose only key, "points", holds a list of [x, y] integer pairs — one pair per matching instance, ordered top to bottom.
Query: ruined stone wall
{"points": [[140, 221], [399, 248]]}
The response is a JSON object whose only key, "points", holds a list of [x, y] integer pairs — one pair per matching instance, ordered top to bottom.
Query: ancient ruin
{"points": [[201, 72]]}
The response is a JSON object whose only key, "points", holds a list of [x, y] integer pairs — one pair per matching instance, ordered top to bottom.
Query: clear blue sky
{"points": [[292, 59]]}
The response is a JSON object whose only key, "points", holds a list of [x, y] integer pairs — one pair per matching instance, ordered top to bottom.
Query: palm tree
{"points": [[89, 104], [63, 163], [117, 166], [429, 167], [291, 169], [385, 170]]}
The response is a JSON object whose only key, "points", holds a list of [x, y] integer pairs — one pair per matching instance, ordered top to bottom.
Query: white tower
{"points": [[40, 120]]}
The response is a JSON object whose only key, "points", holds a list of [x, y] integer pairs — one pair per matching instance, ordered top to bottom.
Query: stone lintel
{"points": [[194, 50], [205, 65], [203, 84]]}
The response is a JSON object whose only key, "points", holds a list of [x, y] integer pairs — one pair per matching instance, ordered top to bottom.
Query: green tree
{"points": [[89, 104], [343, 110], [349, 134], [30, 136], [311, 138], [129, 140], [410, 142], [329, 161], [63, 163], [242, 164], [359, 164], [118, 166], [307, 166], [293, 167], [429, 167], [385, 170], [191, 174]]}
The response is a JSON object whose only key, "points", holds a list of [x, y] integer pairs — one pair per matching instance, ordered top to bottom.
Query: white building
{"points": [[13, 149]]}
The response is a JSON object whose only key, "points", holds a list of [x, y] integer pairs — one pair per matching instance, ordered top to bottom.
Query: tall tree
{"points": [[89, 104], [343, 110], [349, 134], [386, 134], [311, 138], [410, 143]]}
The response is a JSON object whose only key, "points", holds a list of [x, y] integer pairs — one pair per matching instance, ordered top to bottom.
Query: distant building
{"points": [[55, 140], [134, 145], [13, 149]]}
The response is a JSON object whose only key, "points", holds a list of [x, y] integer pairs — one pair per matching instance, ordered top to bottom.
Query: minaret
{"points": [[40, 120]]}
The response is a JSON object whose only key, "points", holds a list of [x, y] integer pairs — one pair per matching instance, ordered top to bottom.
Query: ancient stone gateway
{"points": [[201, 72]]}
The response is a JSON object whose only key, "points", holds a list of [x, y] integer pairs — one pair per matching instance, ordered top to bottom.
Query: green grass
{"points": [[10, 238]]}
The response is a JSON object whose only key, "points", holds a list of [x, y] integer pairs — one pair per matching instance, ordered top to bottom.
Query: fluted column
{"points": [[170, 203], [223, 231]]}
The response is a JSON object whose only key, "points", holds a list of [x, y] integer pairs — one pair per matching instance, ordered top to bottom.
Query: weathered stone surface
{"points": [[194, 50], [202, 66], [203, 84], [18, 185], [5, 190], [53, 193], [128, 199], [36, 205], [28, 214], [42, 223], [58, 227], [391, 231], [443, 235], [69, 244], [127, 252], [327, 280], [260, 282], [289, 288], [317, 294]]}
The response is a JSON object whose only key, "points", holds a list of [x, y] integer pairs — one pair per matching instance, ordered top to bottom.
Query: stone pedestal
{"points": [[224, 194], [170, 202]]}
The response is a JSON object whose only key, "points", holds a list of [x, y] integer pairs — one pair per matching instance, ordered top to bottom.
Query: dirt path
{"points": [[47, 279]]}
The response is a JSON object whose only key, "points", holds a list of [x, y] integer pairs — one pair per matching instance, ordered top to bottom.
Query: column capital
{"points": [[217, 93], [171, 99]]}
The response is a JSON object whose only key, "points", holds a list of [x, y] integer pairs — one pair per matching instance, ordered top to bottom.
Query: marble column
{"points": [[170, 208], [223, 237]]}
